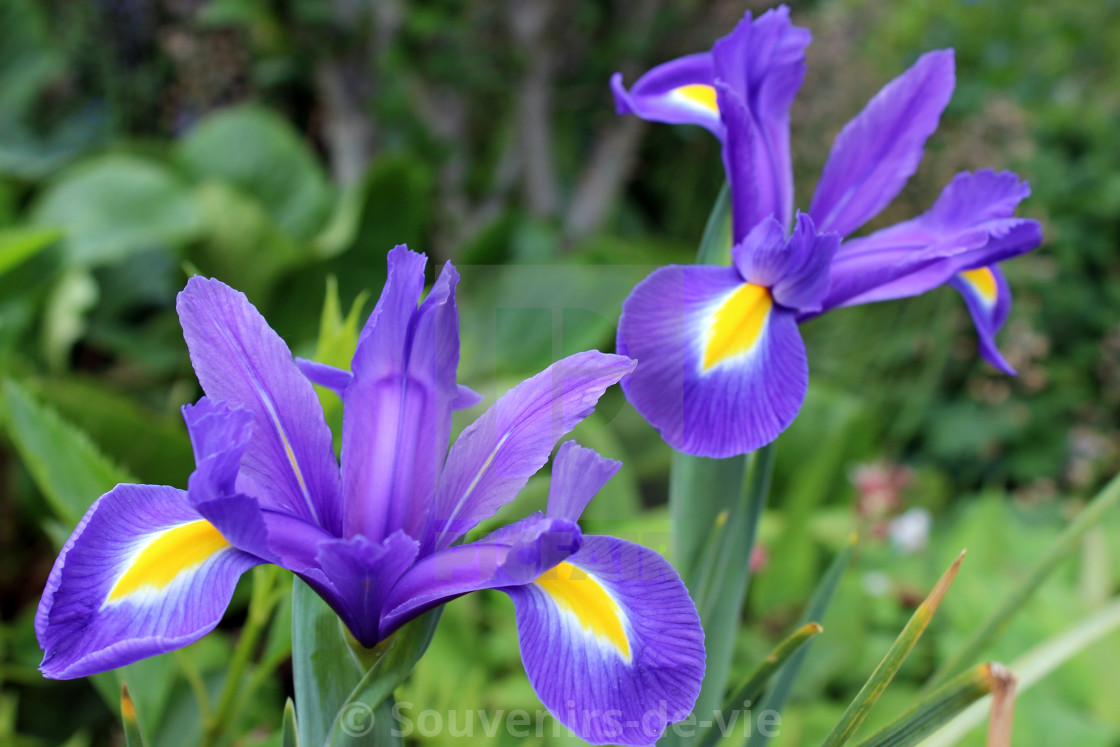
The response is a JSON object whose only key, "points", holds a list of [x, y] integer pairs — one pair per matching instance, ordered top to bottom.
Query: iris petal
{"points": [[676, 92], [878, 151], [988, 297], [241, 360], [714, 383], [497, 454], [142, 574], [611, 642]]}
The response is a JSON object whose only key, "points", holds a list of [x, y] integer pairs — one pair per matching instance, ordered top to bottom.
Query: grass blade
{"points": [[973, 647], [1033, 666], [752, 686], [869, 694], [776, 699], [938, 709], [132, 736]]}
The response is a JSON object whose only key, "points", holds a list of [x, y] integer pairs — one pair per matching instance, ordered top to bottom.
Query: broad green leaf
{"points": [[258, 152], [112, 206], [243, 243], [19, 244], [70, 300], [150, 445], [66, 466], [1019, 594], [324, 670], [869, 694], [776, 698], [933, 712]]}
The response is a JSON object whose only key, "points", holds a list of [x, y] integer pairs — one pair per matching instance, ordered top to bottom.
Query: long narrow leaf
{"points": [[719, 585], [973, 647], [1033, 666], [752, 686], [869, 694], [776, 699], [938, 709], [289, 731], [132, 737]]}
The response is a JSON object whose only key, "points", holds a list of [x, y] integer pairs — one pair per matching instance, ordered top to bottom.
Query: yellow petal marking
{"points": [[699, 94], [983, 282], [737, 324], [169, 554], [577, 592]]}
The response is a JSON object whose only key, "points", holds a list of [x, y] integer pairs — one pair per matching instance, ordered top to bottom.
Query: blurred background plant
{"points": [[278, 144]]}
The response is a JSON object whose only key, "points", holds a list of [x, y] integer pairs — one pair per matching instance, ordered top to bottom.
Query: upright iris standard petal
{"points": [[762, 62], [678, 92], [878, 151], [988, 297], [240, 359], [721, 368], [376, 398], [397, 409], [497, 454], [142, 574], [611, 642]]}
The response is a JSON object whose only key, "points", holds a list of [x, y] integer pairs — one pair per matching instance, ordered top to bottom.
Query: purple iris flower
{"points": [[722, 368], [609, 636]]}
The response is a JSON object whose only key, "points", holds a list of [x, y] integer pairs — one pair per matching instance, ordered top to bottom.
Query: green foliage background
{"points": [[277, 144]]}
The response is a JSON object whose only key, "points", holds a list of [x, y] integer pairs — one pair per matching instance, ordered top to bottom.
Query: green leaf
{"points": [[258, 152], [115, 205], [715, 244], [17, 245], [243, 245], [72, 297], [338, 338], [153, 446], [66, 466], [719, 582], [1017, 597], [395, 659], [1034, 666], [324, 670], [756, 680], [871, 691], [775, 700], [933, 712], [289, 734], [132, 737]]}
